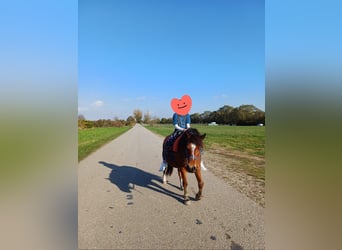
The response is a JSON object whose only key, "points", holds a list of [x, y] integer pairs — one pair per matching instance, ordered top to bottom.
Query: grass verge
{"points": [[246, 139], [90, 140]]}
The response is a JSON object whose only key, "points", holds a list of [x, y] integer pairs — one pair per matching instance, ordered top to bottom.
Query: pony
{"points": [[185, 155]]}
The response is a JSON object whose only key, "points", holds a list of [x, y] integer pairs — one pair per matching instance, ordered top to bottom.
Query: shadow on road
{"points": [[127, 177]]}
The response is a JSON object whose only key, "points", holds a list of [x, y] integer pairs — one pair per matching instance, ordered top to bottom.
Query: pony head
{"points": [[194, 147]]}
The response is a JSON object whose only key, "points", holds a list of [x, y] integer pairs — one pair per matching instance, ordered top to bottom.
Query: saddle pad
{"points": [[175, 144]]}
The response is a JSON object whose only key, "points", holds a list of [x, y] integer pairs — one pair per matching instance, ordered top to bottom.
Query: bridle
{"points": [[192, 156]]}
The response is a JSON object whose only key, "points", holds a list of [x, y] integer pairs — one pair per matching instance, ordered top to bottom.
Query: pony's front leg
{"points": [[200, 183], [185, 186]]}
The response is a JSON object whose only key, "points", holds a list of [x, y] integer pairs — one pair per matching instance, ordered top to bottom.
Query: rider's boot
{"points": [[163, 165]]}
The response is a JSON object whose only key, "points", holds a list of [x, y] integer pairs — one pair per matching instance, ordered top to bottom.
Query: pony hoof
{"points": [[198, 197], [187, 202]]}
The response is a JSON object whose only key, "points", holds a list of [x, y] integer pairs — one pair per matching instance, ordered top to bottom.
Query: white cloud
{"points": [[222, 96], [141, 98], [126, 99], [98, 103], [81, 109]]}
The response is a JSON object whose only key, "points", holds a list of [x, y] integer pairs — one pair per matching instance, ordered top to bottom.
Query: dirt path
{"points": [[228, 166], [122, 203]]}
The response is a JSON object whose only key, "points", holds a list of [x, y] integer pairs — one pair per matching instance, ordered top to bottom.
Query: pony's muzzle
{"points": [[191, 169]]}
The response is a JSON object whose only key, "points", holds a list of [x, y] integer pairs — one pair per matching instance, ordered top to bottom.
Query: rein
{"points": [[192, 157]]}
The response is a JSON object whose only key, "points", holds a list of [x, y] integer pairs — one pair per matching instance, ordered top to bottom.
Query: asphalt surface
{"points": [[123, 204]]}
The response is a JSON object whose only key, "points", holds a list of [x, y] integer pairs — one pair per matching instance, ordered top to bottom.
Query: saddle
{"points": [[171, 142]]}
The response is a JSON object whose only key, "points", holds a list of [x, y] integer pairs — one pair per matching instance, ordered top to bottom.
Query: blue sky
{"points": [[139, 54]]}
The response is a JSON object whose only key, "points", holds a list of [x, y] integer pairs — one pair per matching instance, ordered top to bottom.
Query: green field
{"points": [[91, 139], [247, 139], [241, 149]]}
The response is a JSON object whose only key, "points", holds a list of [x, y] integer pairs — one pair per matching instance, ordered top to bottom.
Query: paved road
{"points": [[122, 203]]}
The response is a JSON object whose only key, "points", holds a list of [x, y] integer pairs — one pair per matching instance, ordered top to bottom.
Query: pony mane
{"points": [[194, 136]]}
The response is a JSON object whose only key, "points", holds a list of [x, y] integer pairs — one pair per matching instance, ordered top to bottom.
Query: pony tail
{"points": [[169, 170]]}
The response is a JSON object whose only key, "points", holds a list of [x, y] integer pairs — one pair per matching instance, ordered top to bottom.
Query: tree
{"points": [[137, 114], [224, 114], [205, 116], [234, 116], [147, 117], [214, 117], [260, 117], [195, 118], [155, 120], [166, 120], [130, 121], [117, 122], [82, 123], [102, 123]]}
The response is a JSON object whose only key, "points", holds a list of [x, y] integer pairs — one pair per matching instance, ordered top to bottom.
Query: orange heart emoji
{"points": [[181, 106]]}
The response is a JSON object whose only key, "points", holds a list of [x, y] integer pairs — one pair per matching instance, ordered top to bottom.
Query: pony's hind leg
{"points": [[164, 177], [180, 180]]}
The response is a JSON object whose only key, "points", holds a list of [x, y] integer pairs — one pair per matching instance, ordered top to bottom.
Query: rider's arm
{"points": [[188, 121], [175, 122], [179, 128]]}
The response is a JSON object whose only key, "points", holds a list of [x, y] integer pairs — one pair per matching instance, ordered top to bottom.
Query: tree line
{"points": [[243, 115]]}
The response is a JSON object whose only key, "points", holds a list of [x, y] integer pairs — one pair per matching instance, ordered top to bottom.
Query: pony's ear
{"points": [[203, 136]]}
